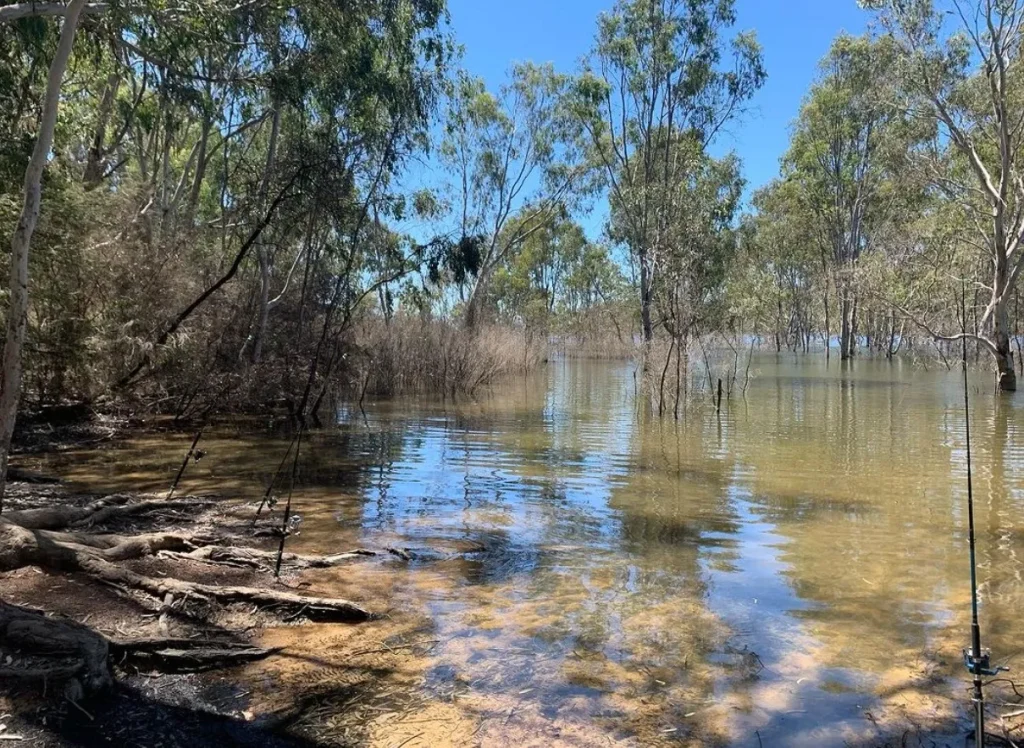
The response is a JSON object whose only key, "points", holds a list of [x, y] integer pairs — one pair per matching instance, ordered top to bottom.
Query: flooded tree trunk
{"points": [[825, 304], [846, 308], [778, 325], [853, 329], [1016, 330], [680, 346], [891, 350], [1005, 372], [664, 373], [1006, 375]]}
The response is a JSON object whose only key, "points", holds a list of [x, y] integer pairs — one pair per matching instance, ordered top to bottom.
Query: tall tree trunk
{"points": [[95, 160], [200, 175], [165, 187], [21, 241], [262, 252], [263, 259], [646, 297], [471, 317], [828, 324], [778, 325], [844, 336], [891, 350], [851, 352], [1005, 373], [1006, 376]]}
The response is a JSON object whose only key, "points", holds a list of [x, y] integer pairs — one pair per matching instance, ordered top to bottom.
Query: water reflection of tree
{"points": [[1000, 460], [869, 493]]}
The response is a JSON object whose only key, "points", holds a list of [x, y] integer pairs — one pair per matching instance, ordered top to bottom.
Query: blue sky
{"points": [[795, 35]]}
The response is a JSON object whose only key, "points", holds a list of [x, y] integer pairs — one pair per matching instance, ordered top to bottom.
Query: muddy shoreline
{"points": [[223, 706]]}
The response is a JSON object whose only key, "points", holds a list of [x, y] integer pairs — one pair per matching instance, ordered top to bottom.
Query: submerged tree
{"points": [[957, 63], [656, 77], [841, 159], [782, 273], [560, 282]]}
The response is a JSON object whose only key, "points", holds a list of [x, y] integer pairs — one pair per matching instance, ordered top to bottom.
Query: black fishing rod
{"points": [[977, 660]]}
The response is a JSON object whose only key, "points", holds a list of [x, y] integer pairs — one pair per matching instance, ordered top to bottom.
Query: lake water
{"points": [[790, 571]]}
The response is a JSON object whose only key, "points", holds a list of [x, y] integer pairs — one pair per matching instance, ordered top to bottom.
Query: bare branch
{"points": [[10, 13]]}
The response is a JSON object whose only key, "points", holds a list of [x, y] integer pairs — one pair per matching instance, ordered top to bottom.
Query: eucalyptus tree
{"points": [[957, 61], [657, 74], [197, 138], [842, 156], [512, 171], [21, 240], [700, 246], [781, 272], [560, 282], [531, 284]]}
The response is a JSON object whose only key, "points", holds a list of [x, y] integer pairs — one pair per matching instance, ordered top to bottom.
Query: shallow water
{"points": [[791, 571]]}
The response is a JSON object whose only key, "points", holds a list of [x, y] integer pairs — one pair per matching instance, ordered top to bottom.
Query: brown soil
{"points": [[148, 707]]}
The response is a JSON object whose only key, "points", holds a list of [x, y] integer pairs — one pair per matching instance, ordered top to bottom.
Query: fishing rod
{"points": [[977, 660]]}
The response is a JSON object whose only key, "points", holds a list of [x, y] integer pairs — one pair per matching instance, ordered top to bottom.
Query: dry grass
{"points": [[410, 354]]}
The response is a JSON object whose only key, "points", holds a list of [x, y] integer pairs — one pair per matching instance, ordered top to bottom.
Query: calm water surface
{"points": [[793, 569]]}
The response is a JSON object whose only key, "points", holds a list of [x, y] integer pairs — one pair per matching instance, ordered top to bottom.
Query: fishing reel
{"points": [[982, 665]]}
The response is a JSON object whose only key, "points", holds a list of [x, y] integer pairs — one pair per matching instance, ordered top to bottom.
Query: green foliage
{"points": [[652, 97], [194, 122], [506, 154]]}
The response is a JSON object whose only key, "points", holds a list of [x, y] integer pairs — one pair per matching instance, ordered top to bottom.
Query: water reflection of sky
{"points": [[773, 516], [785, 568]]}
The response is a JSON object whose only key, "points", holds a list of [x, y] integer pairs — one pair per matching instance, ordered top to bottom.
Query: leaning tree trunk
{"points": [[17, 312]]}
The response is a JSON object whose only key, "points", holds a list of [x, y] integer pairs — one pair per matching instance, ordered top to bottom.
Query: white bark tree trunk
{"points": [[94, 164], [263, 254], [17, 312], [1006, 375]]}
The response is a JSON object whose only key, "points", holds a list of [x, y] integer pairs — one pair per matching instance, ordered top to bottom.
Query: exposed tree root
{"points": [[96, 512], [58, 539], [254, 558], [322, 608], [54, 649], [61, 651], [170, 655]]}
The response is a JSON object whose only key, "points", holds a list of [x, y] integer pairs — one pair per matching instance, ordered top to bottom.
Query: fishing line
{"points": [[977, 660]]}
